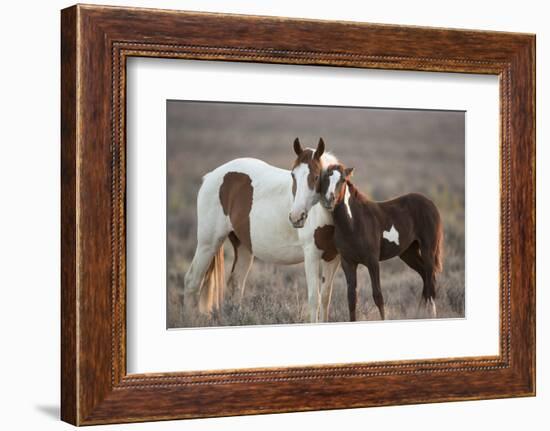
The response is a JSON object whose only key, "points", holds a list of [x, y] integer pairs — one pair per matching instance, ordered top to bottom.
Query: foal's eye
{"points": [[317, 177]]}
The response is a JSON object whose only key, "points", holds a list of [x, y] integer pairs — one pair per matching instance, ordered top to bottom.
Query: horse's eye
{"points": [[292, 173], [317, 177]]}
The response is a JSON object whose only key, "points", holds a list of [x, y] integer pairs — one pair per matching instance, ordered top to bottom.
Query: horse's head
{"points": [[306, 181], [333, 185]]}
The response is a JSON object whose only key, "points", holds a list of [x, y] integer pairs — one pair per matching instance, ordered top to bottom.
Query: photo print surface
{"points": [[286, 214]]}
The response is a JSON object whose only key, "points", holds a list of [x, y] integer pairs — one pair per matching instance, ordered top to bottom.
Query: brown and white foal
{"points": [[367, 232]]}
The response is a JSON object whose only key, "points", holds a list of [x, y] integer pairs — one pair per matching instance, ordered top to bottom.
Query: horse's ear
{"points": [[297, 147], [320, 149], [348, 172]]}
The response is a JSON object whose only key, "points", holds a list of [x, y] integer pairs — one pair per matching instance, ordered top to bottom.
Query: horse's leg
{"points": [[211, 233], [413, 259], [312, 265], [241, 268], [206, 269], [328, 270], [350, 271], [374, 272], [195, 274], [232, 283], [428, 294]]}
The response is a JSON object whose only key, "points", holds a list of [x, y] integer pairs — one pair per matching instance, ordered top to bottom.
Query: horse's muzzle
{"points": [[298, 224]]}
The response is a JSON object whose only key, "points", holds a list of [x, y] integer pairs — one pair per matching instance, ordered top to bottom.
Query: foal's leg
{"points": [[412, 258], [312, 263], [328, 270], [350, 271], [374, 272], [428, 293]]}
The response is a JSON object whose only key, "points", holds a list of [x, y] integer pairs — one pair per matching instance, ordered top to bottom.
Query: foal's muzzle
{"points": [[328, 203]]}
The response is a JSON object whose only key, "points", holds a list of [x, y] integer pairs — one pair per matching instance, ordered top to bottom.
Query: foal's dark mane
{"points": [[356, 193], [362, 196]]}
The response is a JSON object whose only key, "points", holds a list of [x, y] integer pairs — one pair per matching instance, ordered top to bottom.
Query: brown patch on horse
{"points": [[313, 160], [236, 199], [324, 240]]}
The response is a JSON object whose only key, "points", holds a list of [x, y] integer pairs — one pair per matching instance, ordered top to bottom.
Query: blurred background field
{"points": [[393, 152]]}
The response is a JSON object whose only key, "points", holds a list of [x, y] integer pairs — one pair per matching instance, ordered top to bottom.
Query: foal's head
{"points": [[306, 180], [333, 185]]}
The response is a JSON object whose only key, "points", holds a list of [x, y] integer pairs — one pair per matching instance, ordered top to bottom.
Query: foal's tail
{"points": [[438, 249], [213, 285]]}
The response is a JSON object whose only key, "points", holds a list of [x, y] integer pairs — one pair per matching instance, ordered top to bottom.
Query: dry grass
{"points": [[393, 151]]}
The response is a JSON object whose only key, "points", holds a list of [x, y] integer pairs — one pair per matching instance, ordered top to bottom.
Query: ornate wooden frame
{"points": [[95, 43]]}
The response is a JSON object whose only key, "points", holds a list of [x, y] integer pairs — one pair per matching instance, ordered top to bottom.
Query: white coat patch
{"points": [[333, 180], [303, 194], [346, 202], [392, 235]]}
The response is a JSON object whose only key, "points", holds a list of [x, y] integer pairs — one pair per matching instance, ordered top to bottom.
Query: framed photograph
{"points": [[264, 215]]}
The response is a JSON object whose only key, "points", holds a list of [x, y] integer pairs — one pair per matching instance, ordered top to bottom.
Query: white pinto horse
{"points": [[268, 213]]}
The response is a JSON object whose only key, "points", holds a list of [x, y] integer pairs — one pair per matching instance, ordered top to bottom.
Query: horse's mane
{"points": [[328, 159]]}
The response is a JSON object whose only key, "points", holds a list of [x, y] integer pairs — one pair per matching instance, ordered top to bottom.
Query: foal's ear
{"points": [[297, 147], [320, 149], [348, 172]]}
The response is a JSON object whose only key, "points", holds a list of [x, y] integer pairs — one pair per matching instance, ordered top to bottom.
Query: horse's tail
{"points": [[438, 249], [213, 285]]}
